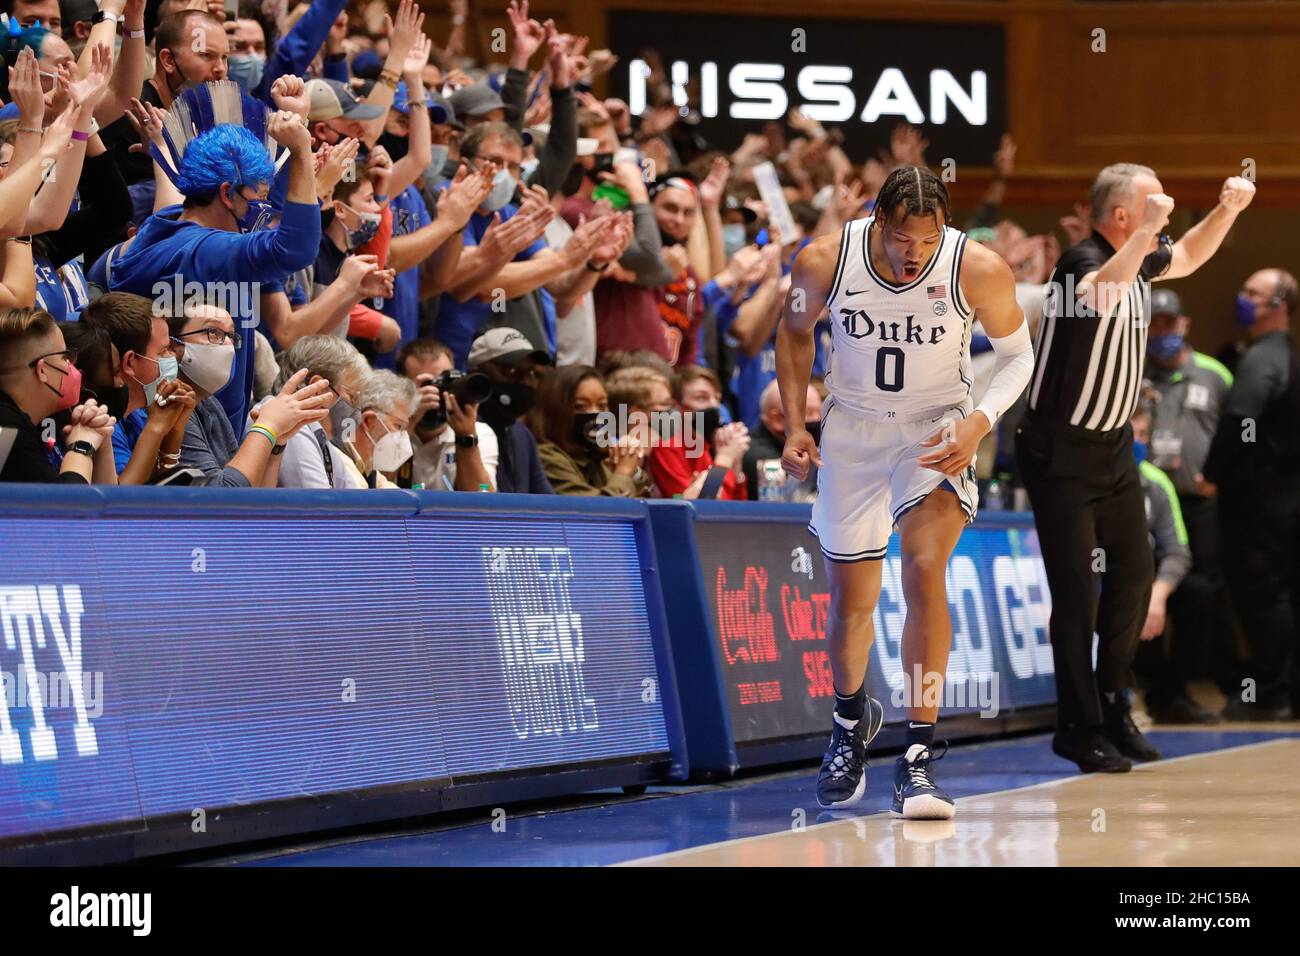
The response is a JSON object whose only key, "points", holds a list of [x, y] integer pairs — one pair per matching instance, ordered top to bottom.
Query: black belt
{"points": [[1076, 432]]}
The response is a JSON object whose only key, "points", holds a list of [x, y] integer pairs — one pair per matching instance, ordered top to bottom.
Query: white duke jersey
{"points": [[898, 352]]}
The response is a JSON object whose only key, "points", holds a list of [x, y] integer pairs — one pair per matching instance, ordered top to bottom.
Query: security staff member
{"points": [[1192, 388], [1075, 450], [1255, 462], [1166, 533]]}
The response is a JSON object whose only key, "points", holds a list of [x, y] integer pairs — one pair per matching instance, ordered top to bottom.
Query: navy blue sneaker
{"points": [[843, 778], [916, 796]]}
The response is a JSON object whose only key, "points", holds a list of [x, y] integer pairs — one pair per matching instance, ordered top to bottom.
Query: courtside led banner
{"points": [[862, 77], [765, 607], [176, 654]]}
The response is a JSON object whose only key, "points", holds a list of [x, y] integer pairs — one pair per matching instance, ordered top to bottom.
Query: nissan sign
{"points": [[862, 77]]}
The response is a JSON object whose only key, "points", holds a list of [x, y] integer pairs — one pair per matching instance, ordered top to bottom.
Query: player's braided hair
{"points": [[915, 190]]}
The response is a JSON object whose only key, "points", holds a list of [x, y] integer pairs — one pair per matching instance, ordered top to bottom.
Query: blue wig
{"points": [[19, 37], [223, 154]]}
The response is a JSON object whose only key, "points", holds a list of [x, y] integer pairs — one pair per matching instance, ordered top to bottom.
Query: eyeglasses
{"points": [[515, 169], [213, 336], [69, 356]]}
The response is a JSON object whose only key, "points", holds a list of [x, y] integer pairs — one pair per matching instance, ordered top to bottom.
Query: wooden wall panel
{"points": [[1189, 88]]}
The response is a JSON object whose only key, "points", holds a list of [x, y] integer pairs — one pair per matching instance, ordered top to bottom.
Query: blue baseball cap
{"points": [[440, 111]]}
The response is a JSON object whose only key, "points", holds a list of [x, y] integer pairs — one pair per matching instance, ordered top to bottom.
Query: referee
{"points": [[1075, 450]]}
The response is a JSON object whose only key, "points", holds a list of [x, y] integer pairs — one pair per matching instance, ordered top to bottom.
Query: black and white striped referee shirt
{"points": [[1088, 368]]}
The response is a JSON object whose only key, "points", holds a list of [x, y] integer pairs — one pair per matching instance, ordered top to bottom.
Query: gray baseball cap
{"points": [[330, 99], [478, 99], [1165, 302], [504, 345]]}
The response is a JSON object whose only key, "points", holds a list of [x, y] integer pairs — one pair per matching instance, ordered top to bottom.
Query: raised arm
{"points": [[129, 71], [1202, 241]]}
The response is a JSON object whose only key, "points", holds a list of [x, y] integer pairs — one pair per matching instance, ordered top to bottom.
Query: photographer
{"points": [[516, 369], [454, 451]]}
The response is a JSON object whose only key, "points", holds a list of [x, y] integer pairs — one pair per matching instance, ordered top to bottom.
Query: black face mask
{"points": [[397, 146], [603, 163], [573, 182], [114, 398], [508, 402], [710, 422], [586, 429]]}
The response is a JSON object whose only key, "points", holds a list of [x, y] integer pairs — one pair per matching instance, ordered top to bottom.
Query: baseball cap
{"points": [[367, 65], [330, 99], [478, 99], [440, 111], [731, 203], [1165, 302], [507, 346]]}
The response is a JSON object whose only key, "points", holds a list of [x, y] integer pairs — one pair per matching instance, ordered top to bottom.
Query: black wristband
{"points": [[591, 268]]}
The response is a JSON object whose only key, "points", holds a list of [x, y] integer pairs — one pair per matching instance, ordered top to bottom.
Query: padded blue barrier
{"points": [[747, 603], [188, 667]]}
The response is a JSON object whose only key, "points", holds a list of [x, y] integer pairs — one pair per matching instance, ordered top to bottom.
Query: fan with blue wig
{"points": [[231, 126]]}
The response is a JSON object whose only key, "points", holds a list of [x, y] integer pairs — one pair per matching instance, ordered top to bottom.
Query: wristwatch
{"points": [[100, 16], [591, 268], [466, 441], [82, 447], [277, 449]]}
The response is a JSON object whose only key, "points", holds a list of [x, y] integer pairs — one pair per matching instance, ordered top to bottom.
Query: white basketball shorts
{"points": [[870, 478]]}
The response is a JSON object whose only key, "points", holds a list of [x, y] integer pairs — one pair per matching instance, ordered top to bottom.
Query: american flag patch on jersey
{"points": [[936, 291]]}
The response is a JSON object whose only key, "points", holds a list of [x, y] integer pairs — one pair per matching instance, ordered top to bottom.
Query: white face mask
{"points": [[208, 367], [391, 451]]}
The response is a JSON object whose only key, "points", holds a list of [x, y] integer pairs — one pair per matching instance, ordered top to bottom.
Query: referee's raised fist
{"points": [[1237, 193], [1156, 214]]}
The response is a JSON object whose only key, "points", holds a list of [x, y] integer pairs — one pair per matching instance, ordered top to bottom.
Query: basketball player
{"points": [[898, 441]]}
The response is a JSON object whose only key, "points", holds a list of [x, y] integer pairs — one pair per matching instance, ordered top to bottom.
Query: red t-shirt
{"points": [[672, 469]]}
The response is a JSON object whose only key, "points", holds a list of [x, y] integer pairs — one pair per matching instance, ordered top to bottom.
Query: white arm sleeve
{"points": [[1014, 368]]}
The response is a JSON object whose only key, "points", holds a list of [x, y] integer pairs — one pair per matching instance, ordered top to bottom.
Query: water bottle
{"points": [[771, 480], [993, 499]]}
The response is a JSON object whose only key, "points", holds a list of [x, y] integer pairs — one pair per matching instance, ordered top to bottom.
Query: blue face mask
{"points": [[246, 70], [503, 187], [256, 216], [733, 237], [1245, 312], [1165, 348], [168, 367], [1139, 451]]}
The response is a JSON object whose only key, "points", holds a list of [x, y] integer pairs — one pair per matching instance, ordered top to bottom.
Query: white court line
{"points": [[850, 822]]}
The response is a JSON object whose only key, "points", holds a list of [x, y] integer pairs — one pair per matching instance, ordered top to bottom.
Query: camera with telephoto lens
{"points": [[469, 389]]}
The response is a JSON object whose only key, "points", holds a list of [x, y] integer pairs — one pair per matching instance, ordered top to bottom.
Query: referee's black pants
{"points": [[1092, 529]]}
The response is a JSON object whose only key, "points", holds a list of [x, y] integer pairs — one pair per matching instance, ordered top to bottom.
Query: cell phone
{"points": [[232, 9], [183, 476]]}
